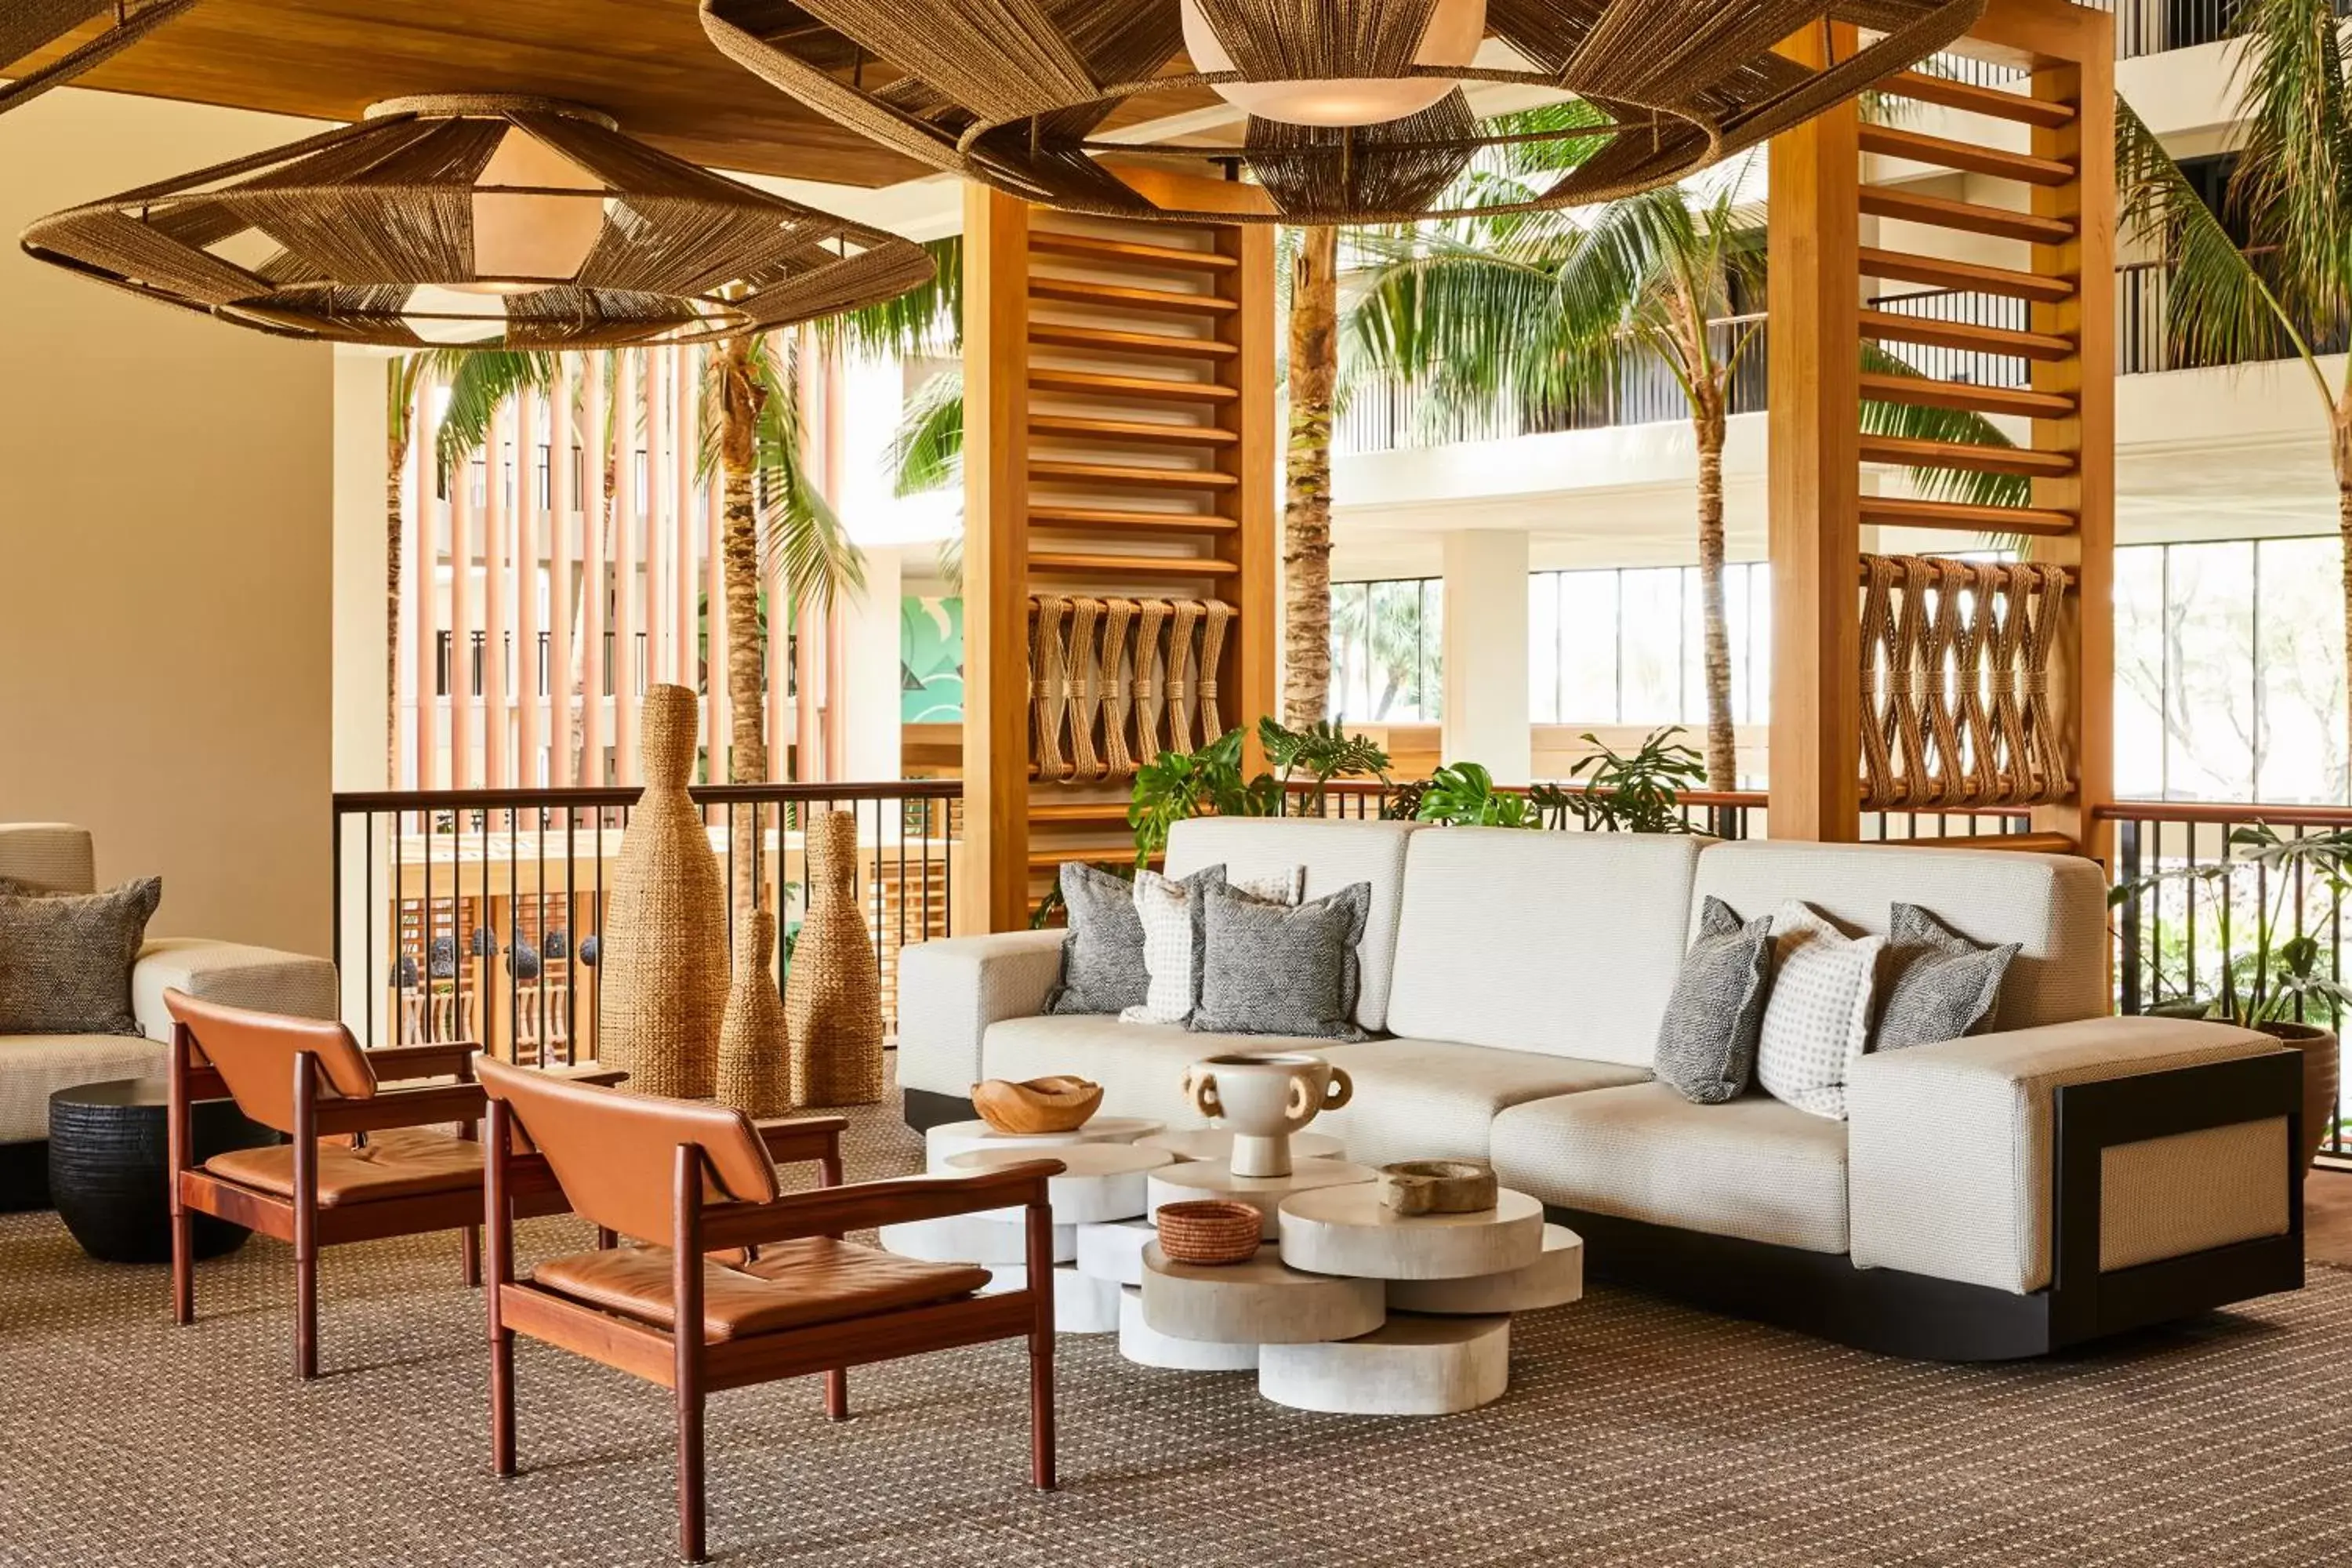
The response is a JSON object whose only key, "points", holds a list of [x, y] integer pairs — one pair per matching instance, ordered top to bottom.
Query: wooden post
{"points": [[1814, 422]]}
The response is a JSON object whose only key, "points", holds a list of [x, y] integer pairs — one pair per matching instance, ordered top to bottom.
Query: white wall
{"points": [[164, 551], [1487, 652]]}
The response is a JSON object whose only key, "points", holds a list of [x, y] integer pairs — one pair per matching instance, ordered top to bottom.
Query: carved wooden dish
{"points": [[1057, 1104], [1438, 1186]]}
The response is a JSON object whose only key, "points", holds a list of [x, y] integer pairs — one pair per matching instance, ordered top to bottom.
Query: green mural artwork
{"points": [[930, 661]]}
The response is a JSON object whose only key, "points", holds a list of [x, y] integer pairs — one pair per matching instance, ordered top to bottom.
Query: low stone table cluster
{"points": [[1350, 1308]]}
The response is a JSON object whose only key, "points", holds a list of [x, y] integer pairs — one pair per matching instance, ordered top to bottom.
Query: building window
{"points": [[1625, 645], [1387, 652]]}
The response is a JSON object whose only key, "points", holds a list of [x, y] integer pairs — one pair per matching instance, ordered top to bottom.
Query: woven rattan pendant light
{"points": [[30, 27], [1017, 93], [479, 223]]}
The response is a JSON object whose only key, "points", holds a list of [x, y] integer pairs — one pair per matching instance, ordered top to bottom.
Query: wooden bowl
{"points": [[1057, 1104], [1438, 1186], [1209, 1232]]}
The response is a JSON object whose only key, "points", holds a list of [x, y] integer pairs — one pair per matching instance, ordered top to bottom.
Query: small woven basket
{"points": [[1209, 1231]]}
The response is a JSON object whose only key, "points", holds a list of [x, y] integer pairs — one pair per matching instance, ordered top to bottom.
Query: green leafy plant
{"points": [[1324, 752], [1177, 784], [1636, 794], [1464, 796], [2282, 979]]}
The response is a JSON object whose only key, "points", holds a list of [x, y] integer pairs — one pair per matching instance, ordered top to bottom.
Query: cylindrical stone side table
{"points": [[1347, 1230], [1259, 1302], [1412, 1366]]}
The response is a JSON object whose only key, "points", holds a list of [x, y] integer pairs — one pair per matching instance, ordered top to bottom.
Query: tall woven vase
{"points": [[663, 952], [833, 995], [753, 1076]]}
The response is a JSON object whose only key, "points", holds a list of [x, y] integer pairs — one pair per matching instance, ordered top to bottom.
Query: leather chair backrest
{"points": [[255, 1053], [616, 1153]]}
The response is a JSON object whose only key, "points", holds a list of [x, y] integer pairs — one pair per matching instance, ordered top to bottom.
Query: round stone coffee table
{"points": [[952, 1138], [1215, 1143], [1215, 1179], [1100, 1181], [1347, 1230], [992, 1238], [1553, 1280], [1259, 1302], [1411, 1366]]}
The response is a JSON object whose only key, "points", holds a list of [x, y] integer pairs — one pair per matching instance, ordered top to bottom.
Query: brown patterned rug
{"points": [[1636, 1433]]}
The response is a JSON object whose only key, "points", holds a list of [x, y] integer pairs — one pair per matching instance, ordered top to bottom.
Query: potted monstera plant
{"points": [[2278, 983]]}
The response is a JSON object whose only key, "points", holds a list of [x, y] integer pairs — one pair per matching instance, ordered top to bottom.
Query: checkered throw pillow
{"points": [[1817, 1021]]}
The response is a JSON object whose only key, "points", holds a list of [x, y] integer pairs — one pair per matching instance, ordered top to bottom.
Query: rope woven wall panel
{"points": [[27, 27], [1015, 92], [479, 223], [1955, 684], [1096, 701]]}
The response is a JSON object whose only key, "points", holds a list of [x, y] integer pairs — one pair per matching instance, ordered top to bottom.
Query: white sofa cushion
{"points": [[1335, 853], [55, 856], [2052, 906], [1565, 943], [231, 972], [951, 990], [1817, 1017], [33, 1066], [1140, 1066], [1429, 1100], [1752, 1168]]}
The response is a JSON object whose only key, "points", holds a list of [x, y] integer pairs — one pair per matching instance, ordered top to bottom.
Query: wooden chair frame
{"points": [[298, 1220], [692, 1368]]}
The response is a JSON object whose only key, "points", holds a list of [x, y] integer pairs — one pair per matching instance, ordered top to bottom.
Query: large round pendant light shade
{"points": [[30, 27], [1449, 38], [1355, 108], [486, 222]]}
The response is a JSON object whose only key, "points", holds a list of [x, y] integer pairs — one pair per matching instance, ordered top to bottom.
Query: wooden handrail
{"points": [[2223, 811]]}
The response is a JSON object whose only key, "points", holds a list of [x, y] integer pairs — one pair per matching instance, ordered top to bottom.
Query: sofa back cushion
{"points": [[1335, 853], [54, 857], [2052, 906], [1565, 943]]}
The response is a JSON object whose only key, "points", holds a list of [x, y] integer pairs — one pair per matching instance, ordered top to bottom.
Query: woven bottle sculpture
{"points": [[663, 954], [833, 995], [753, 1076]]}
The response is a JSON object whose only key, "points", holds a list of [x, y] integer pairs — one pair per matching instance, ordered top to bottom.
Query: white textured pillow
{"points": [[1171, 914], [1818, 1019]]}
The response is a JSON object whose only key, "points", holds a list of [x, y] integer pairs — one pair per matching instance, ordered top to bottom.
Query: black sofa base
{"points": [[926, 1108], [24, 1176]]}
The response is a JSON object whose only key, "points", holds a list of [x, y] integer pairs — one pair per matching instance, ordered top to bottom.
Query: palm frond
{"points": [[2293, 183], [924, 320], [480, 381], [1919, 423], [926, 451], [801, 539]]}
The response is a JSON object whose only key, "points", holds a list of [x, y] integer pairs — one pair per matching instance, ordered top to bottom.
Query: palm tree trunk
{"points": [[740, 396], [2340, 449], [395, 461], [1306, 507], [1722, 757]]}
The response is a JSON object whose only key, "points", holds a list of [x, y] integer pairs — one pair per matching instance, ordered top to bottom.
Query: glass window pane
{"points": [[2208, 636], [1760, 643], [1652, 646], [1543, 648], [1587, 648], [2299, 653], [2140, 673], [1431, 706]]}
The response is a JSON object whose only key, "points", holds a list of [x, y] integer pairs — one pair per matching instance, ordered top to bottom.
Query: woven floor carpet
{"points": [[1636, 1433]]}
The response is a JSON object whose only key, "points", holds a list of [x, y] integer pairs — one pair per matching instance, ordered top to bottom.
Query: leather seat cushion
{"points": [[404, 1162], [791, 1285]]}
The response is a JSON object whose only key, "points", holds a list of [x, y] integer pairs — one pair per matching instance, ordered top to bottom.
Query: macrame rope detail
{"points": [[1213, 648], [1180, 677], [1049, 678], [1147, 681], [1085, 689], [1119, 692]]}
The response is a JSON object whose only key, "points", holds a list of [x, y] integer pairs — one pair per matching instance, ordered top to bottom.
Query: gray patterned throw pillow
{"points": [[65, 958], [1103, 967], [1270, 970], [1937, 983], [1707, 1041]]}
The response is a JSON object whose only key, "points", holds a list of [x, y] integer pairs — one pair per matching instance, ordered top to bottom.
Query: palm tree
{"points": [[2275, 296], [1542, 310], [1314, 342]]}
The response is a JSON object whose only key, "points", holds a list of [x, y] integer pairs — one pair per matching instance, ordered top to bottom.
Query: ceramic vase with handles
{"points": [[1263, 1100]]}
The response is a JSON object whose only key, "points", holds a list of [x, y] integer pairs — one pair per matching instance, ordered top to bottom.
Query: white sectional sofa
{"points": [[61, 857], [2062, 1175]]}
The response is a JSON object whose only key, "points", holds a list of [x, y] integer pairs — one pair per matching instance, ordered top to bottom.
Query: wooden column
{"points": [[1813, 422], [1119, 451]]}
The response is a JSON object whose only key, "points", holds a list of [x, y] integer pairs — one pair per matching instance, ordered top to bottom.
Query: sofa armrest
{"points": [[230, 973], [950, 991], [1952, 1150]]}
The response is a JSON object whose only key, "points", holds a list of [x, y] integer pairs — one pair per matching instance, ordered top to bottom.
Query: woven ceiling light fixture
{"points": [[28, 27], [1356, 113], [479, 223]]}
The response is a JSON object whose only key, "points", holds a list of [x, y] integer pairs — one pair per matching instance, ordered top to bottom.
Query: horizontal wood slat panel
{"points": [[1989, 101], [1970, 157], [1969, 217], [1130, 252], [1938, 272], [1119, 296], [1886, 326], [1103, 340], [1159, 389], [1966, 396], [1142, 432], [2023, 461], [1114, 474], [1909, 511], [1129, 521], [1062, 564]]}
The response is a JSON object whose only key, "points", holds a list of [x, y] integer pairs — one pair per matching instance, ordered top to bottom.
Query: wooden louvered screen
{"points": [[1971, 242], [1119, 553]]}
